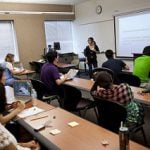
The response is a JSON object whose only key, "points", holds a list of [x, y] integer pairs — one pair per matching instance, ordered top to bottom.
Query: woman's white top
{"points": [[7, 138]]}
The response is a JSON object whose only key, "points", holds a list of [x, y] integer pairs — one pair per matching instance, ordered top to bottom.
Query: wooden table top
{"points": [[85, 84], [40, 104], [85, 136]]}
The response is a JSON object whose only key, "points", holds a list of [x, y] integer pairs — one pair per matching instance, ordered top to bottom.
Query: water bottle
{"points": [[34, 97], [124, 137]]}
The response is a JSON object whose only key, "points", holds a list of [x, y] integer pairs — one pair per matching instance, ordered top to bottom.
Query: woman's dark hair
{"points": [[91, 38], [146, 51], [109, 53], [51, 55], [1, 73], [103, 79], [2, 93]]}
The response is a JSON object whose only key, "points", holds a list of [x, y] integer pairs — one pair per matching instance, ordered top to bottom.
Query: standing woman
{"points": [[90, 54], [8, 66]]}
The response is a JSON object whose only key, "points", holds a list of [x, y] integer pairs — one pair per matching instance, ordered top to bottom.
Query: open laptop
{"points": [[22, 90]]}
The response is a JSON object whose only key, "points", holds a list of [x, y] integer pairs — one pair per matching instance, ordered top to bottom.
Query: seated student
{"points": [[8, 65], [115, 65], [142, 67], [50, 75], [122, 94], [19, 106], [7, 140]]}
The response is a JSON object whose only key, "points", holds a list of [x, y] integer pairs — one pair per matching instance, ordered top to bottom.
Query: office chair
{"points": [[36, 66], [95, 70], [129, 78], [43, 93], [74, 102], [110, 115]]}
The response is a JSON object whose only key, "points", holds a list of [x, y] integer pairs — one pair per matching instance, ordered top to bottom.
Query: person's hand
{"points": [[66, 76], [20, 105], [31, 144]]}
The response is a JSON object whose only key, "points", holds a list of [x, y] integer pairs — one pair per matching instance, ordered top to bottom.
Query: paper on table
{"points": [[9, 94], [29, 112]]}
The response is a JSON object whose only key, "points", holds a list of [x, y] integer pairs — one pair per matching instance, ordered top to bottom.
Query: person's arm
{"points": [[96, 49], [126, 67], [12, 69], [61, 81], [4, 119], [31, 144], [10, 147]]}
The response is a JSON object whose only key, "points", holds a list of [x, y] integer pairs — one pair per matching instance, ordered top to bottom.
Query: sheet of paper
{"points": [[9, 94], [29, 112], [73, 124], [55, 131]]}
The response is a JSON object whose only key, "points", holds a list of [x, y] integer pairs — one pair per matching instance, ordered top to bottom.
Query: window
{"points": [[59, 31], [8, 43]]}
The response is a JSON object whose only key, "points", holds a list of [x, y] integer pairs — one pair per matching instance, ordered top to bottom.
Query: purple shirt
{"points": [[49, 75]]}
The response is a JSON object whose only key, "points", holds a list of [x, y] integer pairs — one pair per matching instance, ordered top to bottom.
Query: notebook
{"points": [[72, 73], [22, 90]]}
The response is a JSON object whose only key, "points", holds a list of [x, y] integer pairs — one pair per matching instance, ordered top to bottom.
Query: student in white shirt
{"points": [[8, 66]]}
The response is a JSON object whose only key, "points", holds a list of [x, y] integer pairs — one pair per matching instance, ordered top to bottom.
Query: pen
{"points": [[38, 118]]}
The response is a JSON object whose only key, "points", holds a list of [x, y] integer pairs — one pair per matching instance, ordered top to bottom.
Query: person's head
{"points": [[90, 40], [146, 51], [109, 53], [52, 56], [9, 58], [2, 76], [104, 79], [2, 91]]}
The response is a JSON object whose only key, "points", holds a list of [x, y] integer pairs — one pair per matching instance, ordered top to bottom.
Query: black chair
{"points": [[36, 66], [95, 70], [129, 78], [43, 93], [74, 102], [110, 115]]}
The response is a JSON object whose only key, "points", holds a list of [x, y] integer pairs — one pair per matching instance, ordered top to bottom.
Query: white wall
{"points": [[101, 27]]}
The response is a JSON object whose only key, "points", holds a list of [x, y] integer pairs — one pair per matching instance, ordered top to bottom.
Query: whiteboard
{"points": [[132, 32]]}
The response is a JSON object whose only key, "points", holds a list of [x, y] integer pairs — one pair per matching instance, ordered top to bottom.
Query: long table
{"points": [[85, 84], [85, 136]]}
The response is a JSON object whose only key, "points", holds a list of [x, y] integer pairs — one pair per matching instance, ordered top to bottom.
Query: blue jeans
{"points": [[90, 68]]}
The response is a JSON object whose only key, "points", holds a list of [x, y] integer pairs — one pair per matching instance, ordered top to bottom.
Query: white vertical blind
{"points": [[59, 31], [8, 43]]}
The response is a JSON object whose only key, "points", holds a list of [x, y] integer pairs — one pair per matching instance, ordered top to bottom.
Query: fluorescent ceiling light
{"points": [[36, 13]]}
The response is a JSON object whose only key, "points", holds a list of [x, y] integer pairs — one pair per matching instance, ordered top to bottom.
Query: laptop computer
{"points": [[22, 90]]}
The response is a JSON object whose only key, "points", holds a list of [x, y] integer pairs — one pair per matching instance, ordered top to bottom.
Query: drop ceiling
{"points": [[45, 1]]}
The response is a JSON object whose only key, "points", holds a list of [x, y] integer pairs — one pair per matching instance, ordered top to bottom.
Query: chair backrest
{"points": [[36, 66], [95, 70], [129, 78], [40, 88], [72, 96], [110, 114]]}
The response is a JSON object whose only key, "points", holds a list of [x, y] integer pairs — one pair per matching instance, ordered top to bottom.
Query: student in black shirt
{"points": [[90, 54], [115, 65]]}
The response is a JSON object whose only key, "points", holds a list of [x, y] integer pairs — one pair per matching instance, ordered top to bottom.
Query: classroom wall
{"points": [[101, 27], [30, 28]]}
